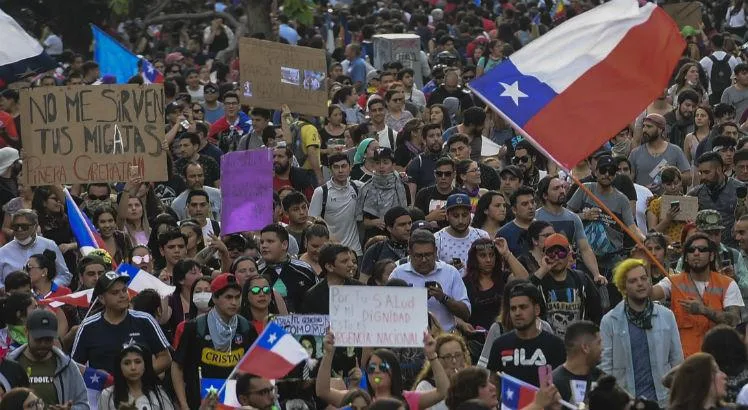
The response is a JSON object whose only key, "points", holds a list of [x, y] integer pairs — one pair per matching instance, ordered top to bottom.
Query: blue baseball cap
{"points": [[456, 200]]}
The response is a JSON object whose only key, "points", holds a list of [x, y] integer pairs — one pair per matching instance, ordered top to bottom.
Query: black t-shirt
{"points": [[421, 170], [429, 199], [380, 251], [575, 298], [485, 304], [98, 341], [521, 358], [567, 382]]}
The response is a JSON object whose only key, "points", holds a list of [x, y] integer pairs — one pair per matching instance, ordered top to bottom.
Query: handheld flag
{"points": [[22, 55], [113, 58], [150, 74], [575, 87], [85, 232], [141, 280], [80, 299], [274, 354], [96, 381], [515, 394], [227, 396]]}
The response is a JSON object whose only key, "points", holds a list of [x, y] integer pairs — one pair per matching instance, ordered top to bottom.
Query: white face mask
{"points": [[26, 241], [201, 299]]}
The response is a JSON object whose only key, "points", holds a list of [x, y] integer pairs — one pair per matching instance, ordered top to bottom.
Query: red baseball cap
{"points": [[556, 239], [223, 281]]}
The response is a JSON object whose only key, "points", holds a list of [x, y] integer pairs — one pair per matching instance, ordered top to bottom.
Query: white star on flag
{"points": [[150, 69], [513, 92], [272, 338], [95, 378], [211, 390], [509, 394]]}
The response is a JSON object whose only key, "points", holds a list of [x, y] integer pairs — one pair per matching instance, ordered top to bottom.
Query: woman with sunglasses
{"points": [[197, 112], [397, 115], [491, 212], [537, 231], [116, 242], [141, 257], [42, 271], [260, 302], [453, 355], [383, 378], [135, 382], [21, 398]]}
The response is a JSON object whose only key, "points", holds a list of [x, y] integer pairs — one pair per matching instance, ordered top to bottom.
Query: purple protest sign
{"points": [[247, 190]]}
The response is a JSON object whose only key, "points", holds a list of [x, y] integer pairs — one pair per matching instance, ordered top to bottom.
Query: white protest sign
{"points": [[381, 316], [298, 325]]}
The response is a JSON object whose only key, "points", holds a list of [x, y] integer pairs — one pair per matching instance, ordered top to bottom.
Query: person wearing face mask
{"points": [[656, 152], [382, 192], [14, 254]]}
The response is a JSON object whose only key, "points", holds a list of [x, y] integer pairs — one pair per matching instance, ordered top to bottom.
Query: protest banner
{"points": [[685, 14], [273, 74], [92, 133], [247, 190], [689, 207], [363, 316], [307, 329]]}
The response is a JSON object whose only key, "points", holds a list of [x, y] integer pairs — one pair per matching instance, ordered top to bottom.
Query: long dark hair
{"points": [[406, 134], [481, 208], [162, 219], [47, 220], [712, 249], [46, 260], [472, 274], [14, 307], [193, 308], [246, 309], [728, 350], [396, 375], [150, 382], [14, 398]]}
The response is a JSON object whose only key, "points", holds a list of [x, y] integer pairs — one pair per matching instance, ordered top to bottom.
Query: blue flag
{"points": [[113, 58], [212, 386]]}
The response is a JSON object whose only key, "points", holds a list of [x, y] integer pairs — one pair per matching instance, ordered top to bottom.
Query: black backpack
{"points": [[720, 78], [325, 191]]}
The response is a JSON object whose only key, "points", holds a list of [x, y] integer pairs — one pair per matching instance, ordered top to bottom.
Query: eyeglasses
{"points": [[210, 91], [397, 99], [517, 160], [611, 170], [470, 171], [443, 174], [21, 227], [701, 249], [558, 253], [422, 256], [141, 259], [28, 268], [255, 290], [457, 357], [383, 367], [264, 392], [37, 404]]}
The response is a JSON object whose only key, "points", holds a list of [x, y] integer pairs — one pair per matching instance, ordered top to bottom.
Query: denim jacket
{"points": [[665, 350]]}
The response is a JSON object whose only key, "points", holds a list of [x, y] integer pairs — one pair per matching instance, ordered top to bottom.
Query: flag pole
{"points": [[579, 183], [93, 302], [561, 401]]}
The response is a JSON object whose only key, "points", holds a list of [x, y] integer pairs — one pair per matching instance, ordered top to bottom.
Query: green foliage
{"points": [[120, 7], [299, 10]]}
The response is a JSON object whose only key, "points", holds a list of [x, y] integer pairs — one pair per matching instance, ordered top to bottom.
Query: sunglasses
{"points": [[397, 99], [517, 160], [612, 171], [441, 174], [97, 197], [21, 227], [701, 249], [557, 253], [141, 259], [255, 290], [383, 367]]}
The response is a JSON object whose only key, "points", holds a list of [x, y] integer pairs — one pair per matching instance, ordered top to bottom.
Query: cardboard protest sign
{"points": [[685, 14], [273, 74], [92, 133], [247, 190], [689, 207], [378, 316], [307, 329]]}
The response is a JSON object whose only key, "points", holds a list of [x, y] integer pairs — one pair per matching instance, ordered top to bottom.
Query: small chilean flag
{"points": [[575, 87], [85, 232], [141, 280], [80, 299], [273, 355], [515, 394]]}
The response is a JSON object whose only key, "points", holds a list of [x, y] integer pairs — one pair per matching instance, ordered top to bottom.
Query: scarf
{"points": [[621, 148], [414, 149], [382, 193], [643, 319], [221, 333]]}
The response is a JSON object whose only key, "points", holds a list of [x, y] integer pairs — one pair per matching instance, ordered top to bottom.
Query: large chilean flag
{"points": [[575, 87]]}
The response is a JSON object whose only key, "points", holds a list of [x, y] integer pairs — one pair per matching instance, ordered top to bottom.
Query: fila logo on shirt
{"points": [[519, 357]]}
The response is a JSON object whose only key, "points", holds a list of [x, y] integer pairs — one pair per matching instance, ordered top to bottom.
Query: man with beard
{"points": [[473, 120], [680, 120], [459, 148], [656, 152], [526, 158], [740, 159], [420, 170], [285, 174], [195, 178], [717, 191], [552, 193], [522, 203], [397, 222], [453, 242], [608, 246], [337, 270], [569, 295], [699, 296], [640, 338], [522, 352], [53, 375], [576, 377]]}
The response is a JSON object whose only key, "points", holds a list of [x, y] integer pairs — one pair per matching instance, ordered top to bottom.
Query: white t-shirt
{"points": [[53, 45], [197, 95], [642, 196], [339, 213], [449, 247], [732, 295]]}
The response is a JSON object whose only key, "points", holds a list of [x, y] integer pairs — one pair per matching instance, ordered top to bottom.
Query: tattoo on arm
{"points": [[730, 316]]}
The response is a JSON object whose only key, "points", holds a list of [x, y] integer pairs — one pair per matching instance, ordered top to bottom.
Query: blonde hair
{"points": [[620, 271], [441, 340]]}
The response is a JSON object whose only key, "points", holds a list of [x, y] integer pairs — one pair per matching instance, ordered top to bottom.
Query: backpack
{"points": [[720, 77], [298, 149], [325, 191]]}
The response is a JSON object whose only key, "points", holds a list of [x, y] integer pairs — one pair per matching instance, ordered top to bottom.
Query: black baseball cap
{"points": [[511, 169], [107, 280], [41, 323]]}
